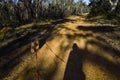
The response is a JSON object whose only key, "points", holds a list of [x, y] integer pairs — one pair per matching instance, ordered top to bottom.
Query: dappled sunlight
{"points": [[25, 26], [63, 38], [59, 40], [69, 44], [101, 52], [102, 62], [94, 72]]}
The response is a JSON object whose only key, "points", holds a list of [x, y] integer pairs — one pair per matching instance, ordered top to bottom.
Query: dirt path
{"points": [[74, 51]]}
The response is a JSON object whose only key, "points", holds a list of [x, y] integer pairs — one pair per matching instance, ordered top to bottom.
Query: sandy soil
{"points": [[73, 51]]}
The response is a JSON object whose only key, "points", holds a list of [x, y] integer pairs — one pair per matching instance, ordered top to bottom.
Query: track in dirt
{"points": [[70, 49]]}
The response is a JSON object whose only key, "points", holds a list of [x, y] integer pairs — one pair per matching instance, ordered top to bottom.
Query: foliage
{"points": [[104, 7], [21, 11]]}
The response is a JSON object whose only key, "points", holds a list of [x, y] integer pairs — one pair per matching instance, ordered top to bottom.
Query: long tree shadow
{"points": [[95, 29], [109, 49], [12, 53], [98, 58], [74, 65], [105, 65]]}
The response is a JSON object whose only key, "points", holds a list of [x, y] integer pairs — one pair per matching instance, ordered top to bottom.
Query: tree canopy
{"points": [[109, 8], [19, 11]]}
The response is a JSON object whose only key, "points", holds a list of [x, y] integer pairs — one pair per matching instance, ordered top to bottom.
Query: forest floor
{"points": [[70, 49]]}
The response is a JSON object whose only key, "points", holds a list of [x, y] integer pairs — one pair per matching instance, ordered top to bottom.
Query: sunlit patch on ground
{"points": [[99, 61]]}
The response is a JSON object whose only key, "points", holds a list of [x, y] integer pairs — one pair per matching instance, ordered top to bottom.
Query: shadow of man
{"points": [[73, 69]]}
